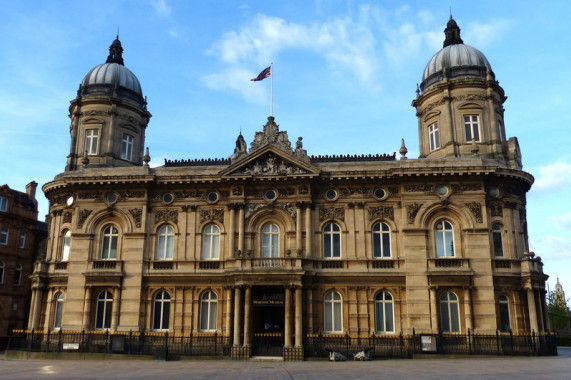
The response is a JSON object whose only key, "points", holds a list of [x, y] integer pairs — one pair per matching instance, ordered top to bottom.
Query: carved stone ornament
{"points": [[430, 107], [271, 135], [270, 165], [461, 187], [424, 188], [236, 191], [131, 194], [187, 194], [91, 195], [251, 208], [497, 209], [476, 210], [411, 211], [381, 212], [331, 213], [83, 214], [137, 214], [212, 214], [166, 216], [67, 217]]}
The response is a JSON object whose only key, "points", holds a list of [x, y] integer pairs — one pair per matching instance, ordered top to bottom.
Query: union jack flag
{"points": [[264, 74]]}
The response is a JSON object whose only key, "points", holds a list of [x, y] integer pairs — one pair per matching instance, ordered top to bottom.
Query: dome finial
{"points": [[452, 33], [115, 52]]}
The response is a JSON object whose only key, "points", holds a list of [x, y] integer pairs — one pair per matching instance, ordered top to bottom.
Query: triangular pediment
{"points": [[270, 161]]}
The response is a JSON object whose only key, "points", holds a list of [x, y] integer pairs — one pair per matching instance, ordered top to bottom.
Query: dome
{"points": [[456, 59], [113, 78]]}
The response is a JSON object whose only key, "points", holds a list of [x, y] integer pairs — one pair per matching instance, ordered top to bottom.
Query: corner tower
{"points": [[459, 105], [108, 117]]}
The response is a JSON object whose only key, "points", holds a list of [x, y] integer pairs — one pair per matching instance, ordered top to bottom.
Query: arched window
{"points": [[444, 237], [165, 238], [109, 240], [270, 240], [381, 240], [497, 240], [331, 241], [211, 242], [65, 245], [2, 270], [18, 275], [504, 307], [58, 310], [103, 310], [161, 311], [208, 311], [332, 312], [449, 312], [384, 315]]}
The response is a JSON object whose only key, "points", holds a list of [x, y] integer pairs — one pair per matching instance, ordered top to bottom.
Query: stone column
{"points": [[241, 229], [298, 231], [231, 232], [308, 239], [36, 306], [87, 308], [116, 308], [468, 308], [310, 310], [433, 310], [532, 311], [247, 315], [49, 316], [298, 317], [541, 321], [237, 322], [228, 324], [287, 327]]}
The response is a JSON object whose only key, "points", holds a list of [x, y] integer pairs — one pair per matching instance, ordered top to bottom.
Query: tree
{"points": [[558, 310]]}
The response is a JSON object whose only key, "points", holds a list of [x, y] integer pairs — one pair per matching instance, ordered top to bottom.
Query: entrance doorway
{"points": [[268, 321]]}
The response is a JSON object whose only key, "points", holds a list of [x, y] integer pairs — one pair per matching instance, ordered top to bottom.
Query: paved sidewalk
{"points": [[552, 367]]}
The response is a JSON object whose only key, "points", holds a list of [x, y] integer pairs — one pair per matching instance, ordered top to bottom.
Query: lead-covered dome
{"points": [[455, 60], [113, 78]]}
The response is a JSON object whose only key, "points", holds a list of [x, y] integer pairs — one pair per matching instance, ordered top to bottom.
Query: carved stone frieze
{"points": [[476, 97], [430, 107], [95, 113], [271, 135], [270, 165], [461, 187], [419, 188], [393, 190], [236, 191], [284, 193], [131, 194], [187, 194], [91, 195], [510, 205], [251, 208], [497, 209], [476, 210], [411, 211], [381, 212], [331, 213], [83, 214], [137, 214], [212, 214], [166, 216], [67, 217]]}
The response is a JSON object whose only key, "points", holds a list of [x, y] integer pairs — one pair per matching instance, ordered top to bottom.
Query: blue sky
{"points": [[345, 73]]}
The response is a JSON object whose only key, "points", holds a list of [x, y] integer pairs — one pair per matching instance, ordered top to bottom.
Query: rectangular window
{"points": [[472, 127], [434, 136], [91, 141], [127, 147], [3, 204], [4, 236], [22, 243]]}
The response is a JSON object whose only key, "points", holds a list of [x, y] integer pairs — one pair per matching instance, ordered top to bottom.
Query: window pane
{"points": [[439, 235], [449, 243], [326, 245], [337, 245], [376, 245], [386, 245], [169, 247], [206, 247], [215, 247], [59, 311], [379, 311], [157, 315], [166, 315], [204, 315], [337, 316], [389, 316], [444, 316], [327, 317], [212, 319], [455, 321]]}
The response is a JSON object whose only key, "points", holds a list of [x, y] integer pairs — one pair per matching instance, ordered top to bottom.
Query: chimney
{"points": [[31, 189]]}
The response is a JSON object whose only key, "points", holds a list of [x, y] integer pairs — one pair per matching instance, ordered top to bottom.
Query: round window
{"points": [[441, 190], [494, 192], [380, 193], [270, 195], [331, 195], [111, 197], [212, 197], [167, 198], [70, 200]]}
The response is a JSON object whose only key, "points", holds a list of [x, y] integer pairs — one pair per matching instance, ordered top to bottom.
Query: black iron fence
{"points": [[163, 345]]}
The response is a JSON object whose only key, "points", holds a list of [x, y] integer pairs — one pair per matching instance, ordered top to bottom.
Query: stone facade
{"points": [[275, 243]]}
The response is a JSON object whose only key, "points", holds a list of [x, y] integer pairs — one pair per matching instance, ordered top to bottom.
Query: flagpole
{"points": [[272, 90]]}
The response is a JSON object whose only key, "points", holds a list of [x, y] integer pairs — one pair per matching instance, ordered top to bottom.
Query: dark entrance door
{"points": [[268, 321]]}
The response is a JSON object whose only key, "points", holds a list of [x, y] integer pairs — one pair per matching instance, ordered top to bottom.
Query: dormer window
{"points": [[472, 128], [434, 136], [91, 141], [127, 147], [3, 204]]}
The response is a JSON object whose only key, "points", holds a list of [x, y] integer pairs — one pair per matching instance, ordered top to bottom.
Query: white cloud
{"points": [[162, 8], [482, 35], [344, 43], [238, 80], [553, 177], [562, 221], [552, 247]]}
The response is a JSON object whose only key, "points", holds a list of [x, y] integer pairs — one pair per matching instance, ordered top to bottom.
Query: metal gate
{"points": [[268, 344]]}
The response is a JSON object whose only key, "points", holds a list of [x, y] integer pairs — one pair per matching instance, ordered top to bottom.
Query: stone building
{"points": [[20, 234], [275, 241]]}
